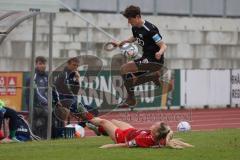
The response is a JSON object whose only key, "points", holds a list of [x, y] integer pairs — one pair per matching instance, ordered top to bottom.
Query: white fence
{"points": [[214, 88]]}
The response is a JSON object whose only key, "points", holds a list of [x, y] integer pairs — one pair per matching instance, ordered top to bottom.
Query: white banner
{"points": [[205, 87], [235, 89]]}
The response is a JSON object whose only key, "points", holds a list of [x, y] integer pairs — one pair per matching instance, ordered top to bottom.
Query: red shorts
{"points": [[121, 135]]}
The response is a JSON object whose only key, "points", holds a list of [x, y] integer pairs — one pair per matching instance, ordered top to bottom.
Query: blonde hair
{"points": [[162, 131], [165, 132], [176, 143]]}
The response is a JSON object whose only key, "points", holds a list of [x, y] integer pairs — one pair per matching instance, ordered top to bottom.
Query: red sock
{"points": [[89, 116], [101, 129], [1, 134]]}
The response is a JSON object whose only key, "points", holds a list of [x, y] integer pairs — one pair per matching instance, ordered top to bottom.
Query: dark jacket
{"points": [[66, 87], [41, 89]]}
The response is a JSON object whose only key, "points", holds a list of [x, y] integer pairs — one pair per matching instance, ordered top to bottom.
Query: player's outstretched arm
{"points": [[129, 40], [110, 46], [176, 143], [114, 145]]}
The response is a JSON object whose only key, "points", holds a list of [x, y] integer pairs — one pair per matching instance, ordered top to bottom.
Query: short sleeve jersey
{"points": [[147, 36], [142, 138]]}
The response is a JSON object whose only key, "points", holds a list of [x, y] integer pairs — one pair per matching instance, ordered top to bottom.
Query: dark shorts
{"points": [[143, 61], [146, 65]]}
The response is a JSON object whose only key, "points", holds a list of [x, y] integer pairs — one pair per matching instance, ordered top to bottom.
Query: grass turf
{"points": [[210, 145]]}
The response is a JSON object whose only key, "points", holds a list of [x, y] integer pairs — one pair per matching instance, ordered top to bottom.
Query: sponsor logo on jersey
{"points": [[140, 42]]}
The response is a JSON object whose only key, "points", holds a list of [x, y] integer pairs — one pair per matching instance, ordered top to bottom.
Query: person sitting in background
{"points": [[66, 85], [65, 91], [65, 96], [2, 110], [6, 112], [18, 127]]}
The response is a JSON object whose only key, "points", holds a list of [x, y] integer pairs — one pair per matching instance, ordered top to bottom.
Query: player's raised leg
{"points": [[126, 70], [122, 125], [108, 126]]}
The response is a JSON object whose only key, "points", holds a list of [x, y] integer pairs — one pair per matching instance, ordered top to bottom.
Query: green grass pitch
{"points": [[209, 145]]}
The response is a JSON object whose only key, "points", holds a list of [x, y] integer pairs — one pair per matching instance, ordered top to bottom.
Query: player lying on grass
{"points": [[125, 135]]}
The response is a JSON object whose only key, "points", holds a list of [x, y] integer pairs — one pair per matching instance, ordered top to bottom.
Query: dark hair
{"points": [[132, 12], [40, 59], [74, 59]]}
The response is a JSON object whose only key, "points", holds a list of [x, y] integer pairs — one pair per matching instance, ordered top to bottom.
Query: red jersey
{"points": [[140, 138]]}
